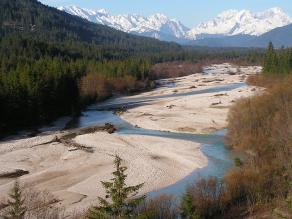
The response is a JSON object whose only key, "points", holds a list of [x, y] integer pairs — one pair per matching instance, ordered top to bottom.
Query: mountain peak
{"points": [[276, 10], [102, 11], [245, 22], [228, 23], [157, 25]]}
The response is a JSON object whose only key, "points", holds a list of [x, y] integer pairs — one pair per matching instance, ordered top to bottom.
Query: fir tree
{"points": [[270, 63], [122, 203], [16, 209], [188, 210]]}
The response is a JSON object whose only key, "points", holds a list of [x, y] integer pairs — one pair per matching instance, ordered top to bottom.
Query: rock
{"points": [[170, 106], [110, 128]]}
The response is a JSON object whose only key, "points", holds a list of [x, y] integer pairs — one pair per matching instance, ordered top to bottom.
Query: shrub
{"points": [[207, 197], [161, 207]]}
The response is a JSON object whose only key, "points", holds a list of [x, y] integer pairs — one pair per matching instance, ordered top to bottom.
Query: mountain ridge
{"points": [[243, 22], [154, 26], [159, 26]]}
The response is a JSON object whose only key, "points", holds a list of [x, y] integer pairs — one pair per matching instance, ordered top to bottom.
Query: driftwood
{"points": [[212, 80], [220, 95], [214, 104], [170, 106], [120, 110], [67, 138], [73, 144], [14, 174]]}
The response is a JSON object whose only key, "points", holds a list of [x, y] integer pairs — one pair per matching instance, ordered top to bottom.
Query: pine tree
{"points": [[270, 63], [122, 204], [16, 209]]}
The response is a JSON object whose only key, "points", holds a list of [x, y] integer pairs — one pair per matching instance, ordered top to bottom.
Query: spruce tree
{"points": [[270, 63], [122, 203], [187, 207], [16, 209]]}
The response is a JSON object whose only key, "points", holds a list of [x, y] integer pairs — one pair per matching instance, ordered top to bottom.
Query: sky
{"points": [[189, 12]]}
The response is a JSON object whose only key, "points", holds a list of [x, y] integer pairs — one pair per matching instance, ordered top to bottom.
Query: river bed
{"points": [[168, 138]]}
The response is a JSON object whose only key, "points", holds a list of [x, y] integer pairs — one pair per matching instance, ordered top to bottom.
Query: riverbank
{"points": [[191, 104], [185, 106], [74, 175]]}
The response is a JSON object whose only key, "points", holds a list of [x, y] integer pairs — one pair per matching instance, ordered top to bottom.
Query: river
{"points": [[220, 158]]}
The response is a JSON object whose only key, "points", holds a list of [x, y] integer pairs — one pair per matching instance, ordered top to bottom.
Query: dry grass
{"points": [[175, 69], [262, 127], [40, 205], [161, 207]]}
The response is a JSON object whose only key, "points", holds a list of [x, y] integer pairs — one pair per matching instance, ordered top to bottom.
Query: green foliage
{"points": [[278, 61], [237, 162], [204, 199], [122, 203], [16, 209], [188, 210]]}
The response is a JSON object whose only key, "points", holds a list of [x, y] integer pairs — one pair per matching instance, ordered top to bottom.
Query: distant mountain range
{"points": [[157, 26], [239, 28]]}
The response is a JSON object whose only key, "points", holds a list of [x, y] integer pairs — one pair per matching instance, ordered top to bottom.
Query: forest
{"points": [[53, 64]]}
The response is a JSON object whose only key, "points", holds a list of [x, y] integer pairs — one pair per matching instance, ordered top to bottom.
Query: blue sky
{"points": [[190, 12]]}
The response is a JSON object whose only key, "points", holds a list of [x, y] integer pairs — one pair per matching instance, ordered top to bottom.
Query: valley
{"points": [[183, 111], [133, 114]]}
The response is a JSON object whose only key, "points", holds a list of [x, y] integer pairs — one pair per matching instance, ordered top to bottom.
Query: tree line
{"points": [[278, 61], [40, 81]]}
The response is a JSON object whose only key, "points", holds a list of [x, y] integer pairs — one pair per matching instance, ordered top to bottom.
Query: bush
{"points": [[262, 127], [207, 197], [28, 203], [161, 207]]}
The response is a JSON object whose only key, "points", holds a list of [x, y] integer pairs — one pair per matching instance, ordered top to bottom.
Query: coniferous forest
{"points": [[45, 54], [53, 63]]}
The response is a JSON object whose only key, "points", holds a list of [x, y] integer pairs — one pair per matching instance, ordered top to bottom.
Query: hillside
{"points": [[31, 18], [280, 37], [53, 63]]}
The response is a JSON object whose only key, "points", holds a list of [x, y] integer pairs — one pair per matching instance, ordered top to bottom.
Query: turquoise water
{"points": [[137, 101], [220, 158]]}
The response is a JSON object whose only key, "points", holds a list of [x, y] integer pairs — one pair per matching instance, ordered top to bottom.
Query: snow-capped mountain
{"points": [[244, 22], [228, 23], [158, 26]]}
